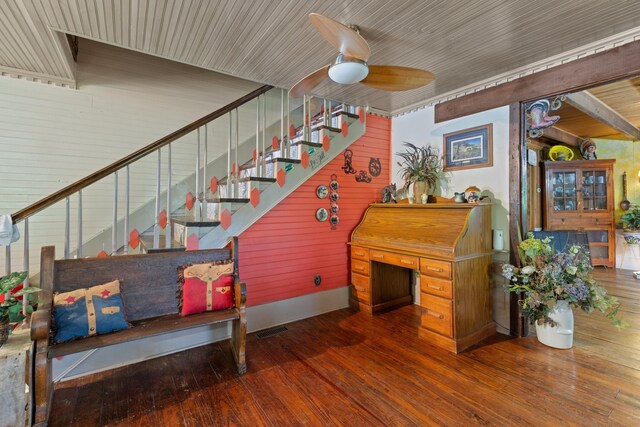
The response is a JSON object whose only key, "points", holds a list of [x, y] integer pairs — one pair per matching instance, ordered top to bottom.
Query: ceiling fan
{"points": [[350, 66]]}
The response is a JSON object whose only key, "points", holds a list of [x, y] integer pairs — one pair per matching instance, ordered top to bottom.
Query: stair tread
{"points": [[345, 113], [330, 128], [309, 143], [283, 159], [250, 179], [228, 200], [190, 222], [147, 241]]}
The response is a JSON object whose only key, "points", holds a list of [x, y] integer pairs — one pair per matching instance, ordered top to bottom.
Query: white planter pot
{"points": [[561, 335]]}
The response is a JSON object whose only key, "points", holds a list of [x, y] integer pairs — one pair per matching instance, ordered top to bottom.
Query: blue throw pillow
{"points": [[86, 312]]}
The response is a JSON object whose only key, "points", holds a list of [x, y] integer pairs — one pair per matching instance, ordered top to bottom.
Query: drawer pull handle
{"points": [[360, 253], [377, 256], [404, 261], [359, 268], [438, 269], [437, 288], [359, 289], [435, 314]]}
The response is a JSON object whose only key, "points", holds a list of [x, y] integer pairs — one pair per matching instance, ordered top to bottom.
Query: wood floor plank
{"points": [[351, 369]]}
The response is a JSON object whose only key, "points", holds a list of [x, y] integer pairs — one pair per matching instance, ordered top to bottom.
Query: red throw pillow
{"points": [[206, 287]]}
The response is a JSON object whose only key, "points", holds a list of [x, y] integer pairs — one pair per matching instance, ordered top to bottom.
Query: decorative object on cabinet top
{"points": [[560, 153]]}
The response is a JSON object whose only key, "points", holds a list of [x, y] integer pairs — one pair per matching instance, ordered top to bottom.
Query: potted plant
{"points": [[422, 167], [631, 225], [554, 283], [11, 295]]}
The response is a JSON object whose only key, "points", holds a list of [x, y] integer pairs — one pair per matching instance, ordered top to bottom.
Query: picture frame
{"points": [[468, 149]]}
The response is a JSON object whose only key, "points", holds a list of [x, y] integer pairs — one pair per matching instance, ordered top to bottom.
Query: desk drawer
{"points": [[360, 253], [406, 261], [361, 267], [431, 267], [438, 287], [360, 288], [437, 314]]}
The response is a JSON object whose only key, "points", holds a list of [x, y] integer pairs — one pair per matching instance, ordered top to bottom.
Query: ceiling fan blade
{"points": [[343, 38], [392, 78], [309, 82]]}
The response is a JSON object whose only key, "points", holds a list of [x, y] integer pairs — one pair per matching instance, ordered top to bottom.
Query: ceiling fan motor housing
{"points": [[348, 70]]}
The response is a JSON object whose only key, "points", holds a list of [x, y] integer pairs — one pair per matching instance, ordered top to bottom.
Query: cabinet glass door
{"points": [[594, 190], [564, 191]]}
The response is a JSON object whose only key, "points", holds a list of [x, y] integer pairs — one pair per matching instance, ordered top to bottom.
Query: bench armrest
{"points": [[240, 290], [40, 324]]}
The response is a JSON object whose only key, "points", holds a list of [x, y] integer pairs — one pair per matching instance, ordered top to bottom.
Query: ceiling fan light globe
{"points": [[348, 71]]}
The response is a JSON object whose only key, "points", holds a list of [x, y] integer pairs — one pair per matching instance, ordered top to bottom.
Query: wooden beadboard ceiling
{"points": [[462, 42], [622, 96]]}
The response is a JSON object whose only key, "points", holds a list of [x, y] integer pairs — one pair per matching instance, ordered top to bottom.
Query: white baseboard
{"points": [[258, 317]]}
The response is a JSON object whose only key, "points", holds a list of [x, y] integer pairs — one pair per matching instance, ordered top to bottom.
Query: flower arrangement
{"points": [[420, 164], [631, 218], [546, 277]]}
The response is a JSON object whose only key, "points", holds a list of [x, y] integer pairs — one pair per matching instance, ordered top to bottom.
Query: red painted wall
{"points": [[282, 252]]}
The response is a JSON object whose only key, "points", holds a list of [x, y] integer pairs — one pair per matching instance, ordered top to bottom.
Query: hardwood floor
{"points": [[346, 368]]}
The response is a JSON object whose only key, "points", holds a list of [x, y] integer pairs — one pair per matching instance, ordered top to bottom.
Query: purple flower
{"points": [[577, 290]]}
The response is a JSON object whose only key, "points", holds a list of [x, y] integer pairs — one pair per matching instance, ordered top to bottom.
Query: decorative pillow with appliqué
{"points": [[206, 287], [86, 312]]}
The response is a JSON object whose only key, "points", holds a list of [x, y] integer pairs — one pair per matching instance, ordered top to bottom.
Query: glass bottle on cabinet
{"points": [[579, 196]]}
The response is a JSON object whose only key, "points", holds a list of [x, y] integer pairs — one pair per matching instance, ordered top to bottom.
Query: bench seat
{"points": [[143, 329]]}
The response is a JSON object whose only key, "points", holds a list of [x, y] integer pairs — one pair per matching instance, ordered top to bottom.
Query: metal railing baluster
{"points": [[304, 117], [264, 134], [282, 135], [288, 150], [257, 161], [204, 172], [229, 177], [235, 184], [197, 203], [126, 210], [156, 225], [114, 227], [67, 228], [167, 231], [79, 250], [7, 259], [25, 267]]}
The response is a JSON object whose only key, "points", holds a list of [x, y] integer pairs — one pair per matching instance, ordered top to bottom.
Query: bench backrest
{"points": [[148, 283]]}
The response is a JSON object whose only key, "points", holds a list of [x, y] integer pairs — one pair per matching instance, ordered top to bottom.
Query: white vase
{"points": [[561, 335]]}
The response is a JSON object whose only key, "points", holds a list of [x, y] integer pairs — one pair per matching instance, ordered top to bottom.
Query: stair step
{"points": [[345, 113], [331, 129], [308, 144], [283, 160], [227, 200], [191, 222], [146, 240]]}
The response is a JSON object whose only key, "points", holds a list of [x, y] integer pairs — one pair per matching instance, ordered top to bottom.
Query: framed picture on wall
{"points": [[469, 148]]}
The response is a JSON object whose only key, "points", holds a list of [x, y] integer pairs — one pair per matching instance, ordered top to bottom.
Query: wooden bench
{"points": [[149, 284]]}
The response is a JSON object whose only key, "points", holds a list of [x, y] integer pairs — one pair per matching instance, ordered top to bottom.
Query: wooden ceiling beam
{"points": [[613, 64], [594, 107], [561, 136]]}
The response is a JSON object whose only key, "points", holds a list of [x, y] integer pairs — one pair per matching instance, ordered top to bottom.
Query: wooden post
{"points": [[517, 173]]}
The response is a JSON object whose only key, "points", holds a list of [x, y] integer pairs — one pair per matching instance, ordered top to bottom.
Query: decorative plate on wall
{"points": [[322, 191], [334, 197], [322, 214]]}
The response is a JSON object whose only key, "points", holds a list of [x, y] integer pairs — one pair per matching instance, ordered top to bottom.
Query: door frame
{"points": [[605, 67]]}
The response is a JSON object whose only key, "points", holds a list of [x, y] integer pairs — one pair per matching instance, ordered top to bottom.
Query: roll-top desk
{"points": [[450, 245]]}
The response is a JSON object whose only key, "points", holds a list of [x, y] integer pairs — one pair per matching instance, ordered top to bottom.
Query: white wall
{"points": [[419, 128], [51, 136]]}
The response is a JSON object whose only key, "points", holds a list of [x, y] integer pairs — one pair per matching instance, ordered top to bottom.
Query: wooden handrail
{"points": [[119, 164]]}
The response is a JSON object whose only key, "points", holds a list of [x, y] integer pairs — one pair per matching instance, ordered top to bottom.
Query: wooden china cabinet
{"points": [[579, 196]]}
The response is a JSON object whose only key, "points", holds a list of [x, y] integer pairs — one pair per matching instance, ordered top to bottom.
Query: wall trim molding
{"points": [[37, 77]]}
